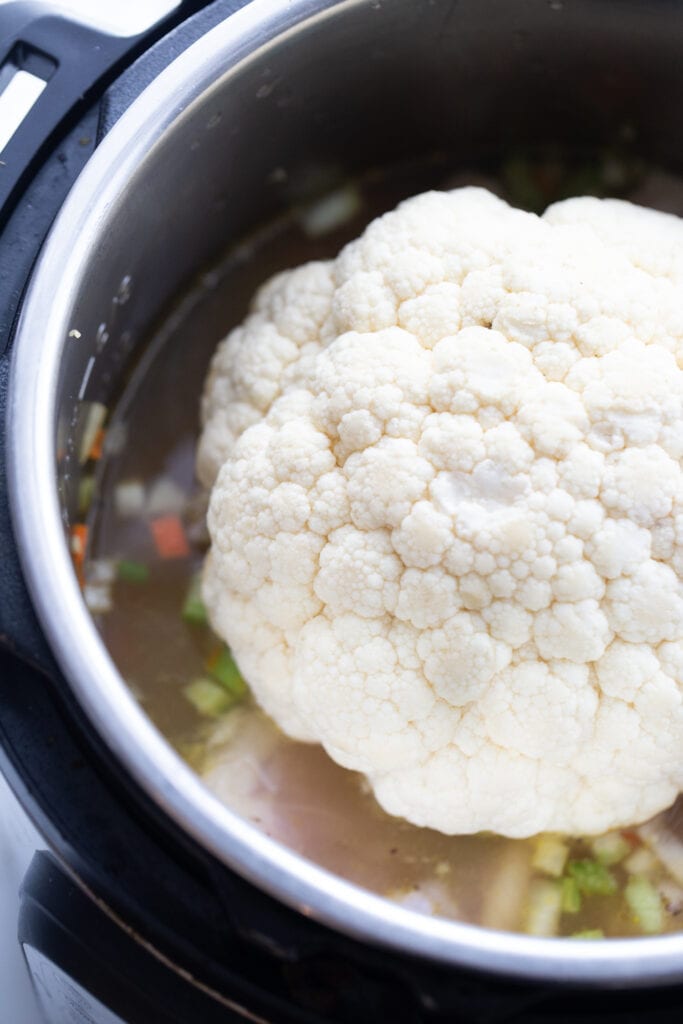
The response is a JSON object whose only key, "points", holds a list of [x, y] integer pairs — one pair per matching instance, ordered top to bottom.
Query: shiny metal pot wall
{"points": [[277, 104]]}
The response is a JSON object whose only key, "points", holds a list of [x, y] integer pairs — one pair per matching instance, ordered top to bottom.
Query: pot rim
{"points": [[82, 656]]}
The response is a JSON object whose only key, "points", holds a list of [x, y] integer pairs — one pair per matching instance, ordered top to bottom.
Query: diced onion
{"points": [[330, 212], [129, 499], [550, 855], [543, 909]]}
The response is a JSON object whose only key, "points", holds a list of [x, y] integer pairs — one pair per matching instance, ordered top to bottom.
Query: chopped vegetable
{"points": [[331, 212], [94, 421], [115, 439], [97, 445], [86, 492], [166, 498], [129, 499], [169, 537], [79, 540], [78, 545], [101, 570], [132, 572], [97, 597], [194, 610], [222, 667], [209, 698], [632, 837], [611, 848], [550, 855], [641, 862], [592, 877], [571, 896], [505, 897], [645, 904], [543, 909], [589, 933]]}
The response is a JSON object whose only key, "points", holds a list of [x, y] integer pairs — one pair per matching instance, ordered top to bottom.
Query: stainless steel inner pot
{"points": [[278, 104]]}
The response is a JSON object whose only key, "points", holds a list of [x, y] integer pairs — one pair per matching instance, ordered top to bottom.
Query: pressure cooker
{"points": [[138, 162]]}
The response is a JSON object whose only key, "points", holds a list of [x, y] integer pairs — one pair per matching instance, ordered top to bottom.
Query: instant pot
{"points": [[139, 162]]}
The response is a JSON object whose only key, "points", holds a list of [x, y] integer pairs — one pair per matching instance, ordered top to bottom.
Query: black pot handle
{"points": [[71, 61], [76, 65]]}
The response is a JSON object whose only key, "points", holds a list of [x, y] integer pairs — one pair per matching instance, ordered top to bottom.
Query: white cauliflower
{"points": [[447, 510]]}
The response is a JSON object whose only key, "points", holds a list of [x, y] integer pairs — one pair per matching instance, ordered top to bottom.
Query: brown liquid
{"points": [[292, 791]]}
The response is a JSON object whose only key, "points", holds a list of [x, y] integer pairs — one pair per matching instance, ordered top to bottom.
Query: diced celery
{"points": [[86, 493], [132, 572], [194, 610], [222, 667], [209, 698], [611, 848], [550, 855], [592, 878], [571, 896], [645, 904], [543, 909], [589, 933]]}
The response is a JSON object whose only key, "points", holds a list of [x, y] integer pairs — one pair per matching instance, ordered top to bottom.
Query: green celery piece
{"points": [[86, 493], [132, 572], [194, 609], [222, 667], [209, 698], [592, 877], [571, 896], [645, 904], [589, 933]]}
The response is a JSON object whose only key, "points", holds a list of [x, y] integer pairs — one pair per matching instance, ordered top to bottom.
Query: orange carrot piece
{"points": [[96, 449], [169, 537], [79, 540], [79, 543]]}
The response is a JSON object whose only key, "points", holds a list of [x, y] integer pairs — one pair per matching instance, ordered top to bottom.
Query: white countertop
{"points": [[120, 17], [18, 841]]}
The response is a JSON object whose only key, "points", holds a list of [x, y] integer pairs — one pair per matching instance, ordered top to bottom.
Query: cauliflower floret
{"points": [[447, 510]]}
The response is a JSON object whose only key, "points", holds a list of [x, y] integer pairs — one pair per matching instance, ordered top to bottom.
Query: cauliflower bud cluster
{"points": [[447, 510]]}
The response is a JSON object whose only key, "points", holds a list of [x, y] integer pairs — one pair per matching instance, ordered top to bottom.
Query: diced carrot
{"points": [[95, 415], [96, 448], [169, 537], [79, 540], [79, 543]]}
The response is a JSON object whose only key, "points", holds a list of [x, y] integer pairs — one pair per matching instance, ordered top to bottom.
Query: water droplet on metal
{"points": [[123, 294], [102, 337]]}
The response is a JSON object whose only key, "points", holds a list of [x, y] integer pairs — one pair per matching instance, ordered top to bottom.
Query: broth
{"points": [[143, 470]]}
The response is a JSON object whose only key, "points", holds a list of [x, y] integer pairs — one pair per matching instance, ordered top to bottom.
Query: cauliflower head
{"points": [[447, 510]]}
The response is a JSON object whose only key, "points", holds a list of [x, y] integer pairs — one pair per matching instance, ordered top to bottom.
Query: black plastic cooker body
{"points": [[128, 904]]}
